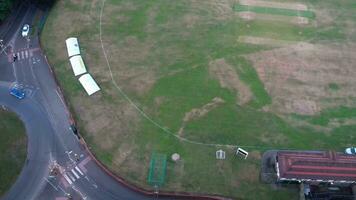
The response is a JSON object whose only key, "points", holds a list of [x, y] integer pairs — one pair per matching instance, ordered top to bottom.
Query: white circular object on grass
{"points": [[175, 157]]}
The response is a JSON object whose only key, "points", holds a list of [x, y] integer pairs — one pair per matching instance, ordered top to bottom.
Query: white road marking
{"points": [[23, 54], [26, 54], [18, 55], [60, 97], [68, 153], [84, 162], [80, 171], [75, 174], [71, 177], [67, 179], [64, 182], [92, 182], [51, 184], [80, 193]]}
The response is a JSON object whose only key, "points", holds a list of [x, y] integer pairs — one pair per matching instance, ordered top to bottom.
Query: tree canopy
{"points": [[5, 7]]}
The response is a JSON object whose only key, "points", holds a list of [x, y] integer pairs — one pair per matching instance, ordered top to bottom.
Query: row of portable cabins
{"points": [[79, 68]]}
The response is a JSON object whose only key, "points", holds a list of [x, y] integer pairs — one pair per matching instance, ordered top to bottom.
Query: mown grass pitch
{"points": [[275, 11], [181, 63]]}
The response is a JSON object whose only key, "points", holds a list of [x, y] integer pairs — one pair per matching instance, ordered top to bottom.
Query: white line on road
{"points": [[23, 54], [26, 54], [60, 97], [80, 171], [75, 174], [71, 177], [67, 179], [92, 182], [51, 184], [81, 194]]}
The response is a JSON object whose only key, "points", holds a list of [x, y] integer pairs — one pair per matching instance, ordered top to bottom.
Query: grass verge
{"points": [[13, 143]]}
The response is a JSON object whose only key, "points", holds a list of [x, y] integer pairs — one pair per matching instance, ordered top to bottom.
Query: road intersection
{"points": [[58, 164]]}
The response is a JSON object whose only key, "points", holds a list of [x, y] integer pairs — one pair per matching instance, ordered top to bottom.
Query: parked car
{"points": [[25, 30], [17, 92], [350, 151]]}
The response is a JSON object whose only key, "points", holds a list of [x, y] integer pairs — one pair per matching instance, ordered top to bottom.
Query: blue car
{"points": [[17, 92]]}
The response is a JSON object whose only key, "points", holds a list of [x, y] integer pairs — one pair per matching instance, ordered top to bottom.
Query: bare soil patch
{"points": [[219, 10], [249, 16], [264, 41], [297, 76], [229, 78], [138, 79], [200, 112], [106, 124], [123, 153], [250, 174]]}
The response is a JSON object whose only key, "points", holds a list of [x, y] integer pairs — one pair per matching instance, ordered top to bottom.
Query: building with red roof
{"points": [[316, 166]]}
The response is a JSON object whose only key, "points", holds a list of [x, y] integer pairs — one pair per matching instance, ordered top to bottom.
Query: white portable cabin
{"points": [[72, 46], [78, 65], [89, 84], [242, 152]]}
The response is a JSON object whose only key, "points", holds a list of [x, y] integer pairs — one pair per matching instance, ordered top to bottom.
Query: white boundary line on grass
{"points": [[148, 117]]}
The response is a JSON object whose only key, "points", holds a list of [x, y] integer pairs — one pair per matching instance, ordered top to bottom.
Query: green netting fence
{"points": [[275, 11], [157, 171]]}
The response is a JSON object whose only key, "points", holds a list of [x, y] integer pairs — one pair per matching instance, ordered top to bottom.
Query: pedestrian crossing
{"points": [[22, 54], [72, 175]]}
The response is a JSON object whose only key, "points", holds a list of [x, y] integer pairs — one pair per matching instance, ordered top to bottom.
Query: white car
{"points": [[25, 30], [351, 151]]}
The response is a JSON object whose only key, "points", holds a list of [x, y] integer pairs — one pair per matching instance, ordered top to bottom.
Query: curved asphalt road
{"points": [[47, 123]]}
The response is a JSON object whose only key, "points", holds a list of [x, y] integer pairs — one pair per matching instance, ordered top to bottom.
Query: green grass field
{"points": [[181, 63], [12, 148]]}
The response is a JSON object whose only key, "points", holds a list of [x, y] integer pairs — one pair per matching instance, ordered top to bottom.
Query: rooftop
{"points": [[316, 165]]}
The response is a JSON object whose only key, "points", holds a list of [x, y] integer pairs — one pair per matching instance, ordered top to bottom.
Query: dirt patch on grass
{"points": [[271, 4], [219, 10], [249, 16], [190, 20], [264, 41], [128, 65], [297, 77], [228, 78], [141, 82], [303, 106], [197, 113], [106, 124], [275, 139], [122, 154], [255, 155], [249, 173]]}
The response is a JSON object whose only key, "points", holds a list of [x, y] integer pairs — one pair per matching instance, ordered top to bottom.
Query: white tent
{"points": [[72, 46], [77, 65], [89, 84]]}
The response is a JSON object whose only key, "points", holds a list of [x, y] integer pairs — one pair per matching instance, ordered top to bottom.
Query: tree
{"points": [[44, 2], [5, 7]]}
